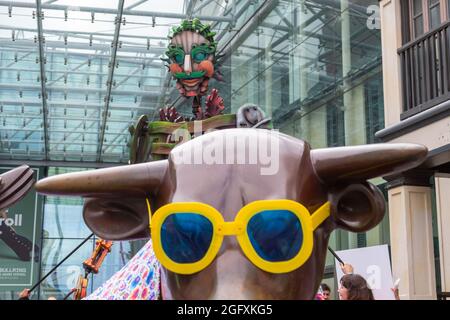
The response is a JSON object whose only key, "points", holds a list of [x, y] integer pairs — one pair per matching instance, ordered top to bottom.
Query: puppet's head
{"points": [[191, 57], [223, 229]]}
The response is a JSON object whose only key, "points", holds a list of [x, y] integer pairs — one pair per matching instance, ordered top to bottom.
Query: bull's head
{"points": [[116, 209]]}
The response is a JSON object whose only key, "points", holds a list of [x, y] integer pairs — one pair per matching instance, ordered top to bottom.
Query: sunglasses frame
{"points": [[309, 222]]}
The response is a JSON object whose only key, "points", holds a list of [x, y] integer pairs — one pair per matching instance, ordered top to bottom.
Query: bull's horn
{"points": [[356, 163], [125, 180]]}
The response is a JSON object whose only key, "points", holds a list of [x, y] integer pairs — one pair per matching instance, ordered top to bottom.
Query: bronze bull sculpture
{"points": [[116, 207]]}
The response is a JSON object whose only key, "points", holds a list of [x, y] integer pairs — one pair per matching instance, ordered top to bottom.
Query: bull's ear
{"points": [[356, 207], [117, 218]]}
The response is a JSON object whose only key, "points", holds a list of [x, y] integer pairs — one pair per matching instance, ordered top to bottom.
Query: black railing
{"points": [[425, 71], [443, 295]]}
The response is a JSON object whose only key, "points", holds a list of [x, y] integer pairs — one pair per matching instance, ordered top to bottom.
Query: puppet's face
{"points": [[191, 57]]}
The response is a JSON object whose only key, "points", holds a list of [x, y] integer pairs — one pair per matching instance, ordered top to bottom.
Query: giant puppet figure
{"points": [[191, 60], [221, 229]]}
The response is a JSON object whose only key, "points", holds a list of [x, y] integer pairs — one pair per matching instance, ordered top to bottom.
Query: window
{"points": [[448, 9], [434, 13], [422, 16], [417, 18]]}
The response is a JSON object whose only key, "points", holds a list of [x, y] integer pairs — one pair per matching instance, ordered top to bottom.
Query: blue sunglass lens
{"points": [[276, 235], [186, 237]]}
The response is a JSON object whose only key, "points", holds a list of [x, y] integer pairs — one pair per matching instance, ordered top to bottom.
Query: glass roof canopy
{"points": [[74, 75]]}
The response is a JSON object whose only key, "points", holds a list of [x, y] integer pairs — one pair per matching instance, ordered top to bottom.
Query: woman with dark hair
{"points": [[354, 287]]}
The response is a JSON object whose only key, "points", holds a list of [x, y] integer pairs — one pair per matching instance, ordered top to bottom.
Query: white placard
{"points": [[374, 265]]}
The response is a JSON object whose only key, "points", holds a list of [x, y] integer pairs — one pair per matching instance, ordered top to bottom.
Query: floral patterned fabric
{"points": [[139, 279]]}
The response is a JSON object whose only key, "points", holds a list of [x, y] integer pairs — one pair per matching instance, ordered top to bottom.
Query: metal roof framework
{"points": [[74, 78]]}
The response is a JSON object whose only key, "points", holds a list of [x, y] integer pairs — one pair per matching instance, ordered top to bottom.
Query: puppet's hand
{"points": [[214, 104], [170, 114]]}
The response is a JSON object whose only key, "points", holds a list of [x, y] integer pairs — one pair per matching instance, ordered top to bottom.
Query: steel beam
{"points": [[137, 3], [204, 4], [190, 8], [169, 15], [76, 33], [82, 46], [127, 59], [42, 69], [109, 82], [28, 87], [62, 103], [35, 117], [37, 130], [49, 163]]}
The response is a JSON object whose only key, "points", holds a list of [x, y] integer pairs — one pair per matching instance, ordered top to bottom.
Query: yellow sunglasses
{"points": [[275, 235]]}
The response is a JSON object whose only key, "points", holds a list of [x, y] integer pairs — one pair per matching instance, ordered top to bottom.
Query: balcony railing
{"points": [[425, 71]]}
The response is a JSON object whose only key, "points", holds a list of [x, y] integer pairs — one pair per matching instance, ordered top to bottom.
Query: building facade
{"points": [[415, 38]]}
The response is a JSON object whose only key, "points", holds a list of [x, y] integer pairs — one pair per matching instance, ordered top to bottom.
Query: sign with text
{"points": [[20, 234], [374, 265]]}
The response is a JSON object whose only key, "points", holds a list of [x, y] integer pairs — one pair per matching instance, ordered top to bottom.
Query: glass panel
{"points": [[417, 7], [448, 10], [435, 16], [418, 26], [21, 130], [63, 215], [121, 253], [65, 277]]}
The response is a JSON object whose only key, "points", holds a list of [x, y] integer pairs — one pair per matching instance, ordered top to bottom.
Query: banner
{"points": [[20, 240], [374, 265]]}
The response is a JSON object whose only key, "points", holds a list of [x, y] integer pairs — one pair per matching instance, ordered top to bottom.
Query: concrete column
{"points": [[391, 40], [302, 53], [293, 57], [268, 79], [298, 80], [353, 98], [355, 116], [313, 128], [442, 184], [412, 238]]}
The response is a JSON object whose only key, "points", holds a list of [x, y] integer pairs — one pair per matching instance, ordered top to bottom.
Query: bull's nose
{"points": [[233, 269]]}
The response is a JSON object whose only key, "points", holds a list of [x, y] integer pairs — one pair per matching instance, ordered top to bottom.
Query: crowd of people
{"points": [[351, 287]]}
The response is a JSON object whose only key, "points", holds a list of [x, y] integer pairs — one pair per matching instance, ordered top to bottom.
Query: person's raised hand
{"points": [[347, 268], [25, 294], [396, 294]]}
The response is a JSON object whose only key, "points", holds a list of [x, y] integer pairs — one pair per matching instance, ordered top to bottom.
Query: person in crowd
{"points": [[355, 287], [323, 293], [25, 295]]}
